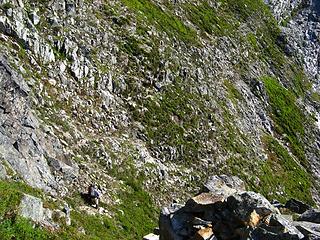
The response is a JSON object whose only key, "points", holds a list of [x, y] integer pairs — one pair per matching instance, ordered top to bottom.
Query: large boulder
{"points": [[247, 205], [243, 215], [312, 215]]}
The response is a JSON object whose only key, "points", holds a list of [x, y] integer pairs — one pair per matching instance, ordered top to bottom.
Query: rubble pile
{"points": [[225, 210]]}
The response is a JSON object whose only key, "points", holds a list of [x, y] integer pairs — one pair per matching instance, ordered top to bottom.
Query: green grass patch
{"points": [[244, 9], [148, 11], [211, 20], [233, 93], [287, 115], [282, 171], [279, 177], [137, 213], [134, 217], [21, 229]]}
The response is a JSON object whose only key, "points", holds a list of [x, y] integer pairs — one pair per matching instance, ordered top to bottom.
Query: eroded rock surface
{"points": [[24, 146]]}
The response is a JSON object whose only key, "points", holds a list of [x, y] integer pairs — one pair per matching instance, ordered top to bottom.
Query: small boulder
{"points": [[297, 206], [31, 208], [312, 215], [285, 226], [308, 229], [151, 236]]}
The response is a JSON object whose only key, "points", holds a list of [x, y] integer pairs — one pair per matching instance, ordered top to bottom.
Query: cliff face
{"points": [[152, 96]]}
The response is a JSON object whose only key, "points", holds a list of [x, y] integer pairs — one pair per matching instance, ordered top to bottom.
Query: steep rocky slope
{"points": [[146, 98]]}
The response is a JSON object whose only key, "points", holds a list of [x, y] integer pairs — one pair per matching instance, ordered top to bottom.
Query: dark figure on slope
{"points": [[94, 195]]}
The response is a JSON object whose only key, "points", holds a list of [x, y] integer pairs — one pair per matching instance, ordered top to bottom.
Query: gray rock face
{"points": [[301, 32], [79, 66], [22, 143], [32, 208]]}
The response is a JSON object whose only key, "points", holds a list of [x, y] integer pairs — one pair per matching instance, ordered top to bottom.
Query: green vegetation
{"points": [[6, 6], [244, 9], [164, 20], [211, 20], [300, 82], [233, 94], [315, 96], [287, 115], [172, 119], [282, 171], [280, 176], [137, 213], [134, 217]]}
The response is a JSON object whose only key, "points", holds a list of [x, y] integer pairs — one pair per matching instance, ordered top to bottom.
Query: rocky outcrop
{"points": [[24, 146], [242, 215]]}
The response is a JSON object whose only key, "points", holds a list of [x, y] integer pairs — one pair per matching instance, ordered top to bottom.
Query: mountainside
{"points": [[147, 98]]}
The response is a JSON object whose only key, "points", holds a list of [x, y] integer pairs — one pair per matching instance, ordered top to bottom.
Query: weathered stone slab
{"points": [[31, 208]]}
